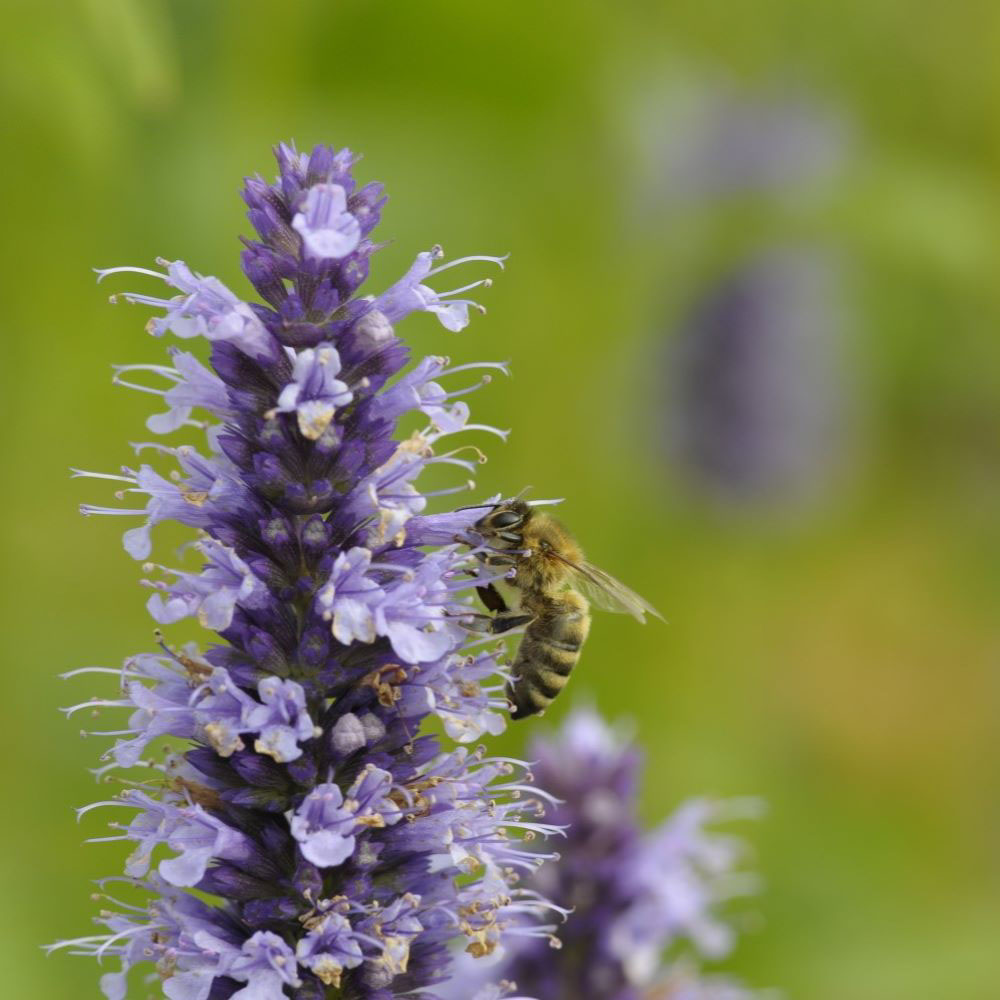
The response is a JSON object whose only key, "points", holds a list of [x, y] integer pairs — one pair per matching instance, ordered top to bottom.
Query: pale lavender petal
{"points": [[327, 229]]}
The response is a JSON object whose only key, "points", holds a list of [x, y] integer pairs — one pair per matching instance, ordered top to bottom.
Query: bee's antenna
{"points": [[498, 503], [534, 503]]}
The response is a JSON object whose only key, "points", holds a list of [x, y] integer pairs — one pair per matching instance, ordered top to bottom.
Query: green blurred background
{"points": [[833, 643]]}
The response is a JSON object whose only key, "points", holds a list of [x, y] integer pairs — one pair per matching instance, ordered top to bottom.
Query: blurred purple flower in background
{"points": [[706, 139], [756, 389], [755, 407], [342, 850], [641, 901]]}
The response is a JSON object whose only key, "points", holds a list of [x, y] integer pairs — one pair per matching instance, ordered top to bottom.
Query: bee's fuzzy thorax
{"points": [[549, 545]]}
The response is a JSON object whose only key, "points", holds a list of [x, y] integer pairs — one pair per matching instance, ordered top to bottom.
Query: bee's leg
{"points": [[495, 559], [488, 594], [492, 599], [475, 621], [505, 622]]}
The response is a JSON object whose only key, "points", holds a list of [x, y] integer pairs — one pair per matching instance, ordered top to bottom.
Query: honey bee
{"points": [[551, 589]]}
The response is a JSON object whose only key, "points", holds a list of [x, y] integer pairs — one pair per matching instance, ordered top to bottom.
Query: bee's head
{"points": [[504, 523]]}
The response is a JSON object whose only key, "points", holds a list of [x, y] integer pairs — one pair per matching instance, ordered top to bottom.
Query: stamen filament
{"points": [[499, 261]]}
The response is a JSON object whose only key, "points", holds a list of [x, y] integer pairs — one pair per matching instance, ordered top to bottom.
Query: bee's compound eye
{"points": [[505, 519]]}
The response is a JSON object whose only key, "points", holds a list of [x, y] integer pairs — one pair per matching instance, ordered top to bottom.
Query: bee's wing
{"points": [[607, 593]]}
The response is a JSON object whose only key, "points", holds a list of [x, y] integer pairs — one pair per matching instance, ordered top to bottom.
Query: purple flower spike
{"points": [[309, 838], [632, 896]]}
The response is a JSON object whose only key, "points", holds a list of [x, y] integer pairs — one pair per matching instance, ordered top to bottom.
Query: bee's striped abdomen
{"points": [[548, 653]]}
